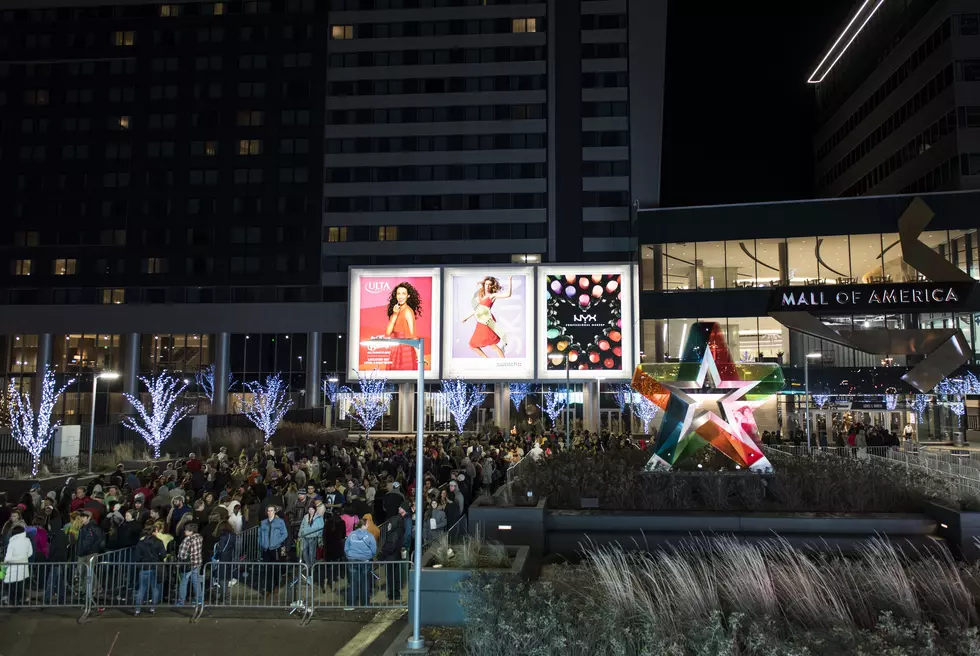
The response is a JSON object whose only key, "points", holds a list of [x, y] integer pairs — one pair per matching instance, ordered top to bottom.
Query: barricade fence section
{"points": [[247, 545], [361, 584], [45, 585], [238, 585], [146, 586]]}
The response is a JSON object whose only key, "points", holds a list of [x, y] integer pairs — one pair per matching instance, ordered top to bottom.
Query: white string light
{"points": [[205, 380], [519, 392], [461, 399], [371, 403], [554, 403], [268, 405], [645, 411], [156, 425], [34, 431]]}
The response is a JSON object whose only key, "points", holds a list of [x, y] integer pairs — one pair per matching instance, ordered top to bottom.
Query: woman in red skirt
{"points": [[404, 306], [487, 333]]}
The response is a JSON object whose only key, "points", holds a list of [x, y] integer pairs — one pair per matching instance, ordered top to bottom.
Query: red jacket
{"points": [[193, 465], [76, 503]]}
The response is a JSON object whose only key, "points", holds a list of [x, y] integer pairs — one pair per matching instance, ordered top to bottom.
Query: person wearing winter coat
{"points": [[234, 508], [434, 521], [372, 528], [128, 533], [310, 533], [334, 535], [272, 539], [225, 546], [360, 548], [19, 551], [391, 551], [149, 553]]}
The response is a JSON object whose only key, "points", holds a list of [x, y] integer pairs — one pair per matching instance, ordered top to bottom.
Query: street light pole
{"points": [[108, 375], [806, 393], [568, 405], [415, 641]]}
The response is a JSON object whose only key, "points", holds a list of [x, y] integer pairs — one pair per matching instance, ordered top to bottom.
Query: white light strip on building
{"points": [[847, 30]]}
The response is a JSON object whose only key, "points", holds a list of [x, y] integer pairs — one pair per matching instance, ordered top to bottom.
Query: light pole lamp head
{"points": [[813, 356], [108, 375]]}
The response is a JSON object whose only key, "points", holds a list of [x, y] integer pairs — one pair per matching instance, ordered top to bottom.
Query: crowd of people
{"points": [[352, 504]]}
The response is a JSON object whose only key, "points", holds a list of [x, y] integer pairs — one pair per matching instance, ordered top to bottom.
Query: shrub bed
{"points": [[816, 483], [714, 597]]}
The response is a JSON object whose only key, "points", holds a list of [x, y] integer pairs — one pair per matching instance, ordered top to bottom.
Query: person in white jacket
{"points": [[235, 515], [19, 551]]}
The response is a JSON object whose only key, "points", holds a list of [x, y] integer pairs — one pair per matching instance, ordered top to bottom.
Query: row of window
{"points": [[368, 5], [171, 10], [437, 28], [932, 42], [437, 56], [438, 85], [292, 89], [917, 102], [467, 113], [437, 114], [438, 143], [915, 147], [163, 149], [359, 174], [365, 174], [435, 203], [454, 232], [157, 236], [161, 265], [169, 295]]}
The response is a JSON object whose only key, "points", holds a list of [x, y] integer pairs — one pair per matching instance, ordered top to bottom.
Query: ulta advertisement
{"points": [[394, 303], [585, 321], [488, 323]]}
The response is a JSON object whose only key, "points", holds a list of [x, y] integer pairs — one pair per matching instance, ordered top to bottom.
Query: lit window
{"points": [[169, 11], [520, 25], [342, 32], [126, 38], [36, 97], [122, 122], [250, 147], [210, 148], [388, 233], [337, 234], [527, 258], [155, 265], [22, 267], [64, 267], [113, 296]]}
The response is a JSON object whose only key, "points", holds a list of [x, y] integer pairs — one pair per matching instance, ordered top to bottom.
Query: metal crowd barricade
{"points": [[247, 545], [115, 556], [365, 584], [45, 585], [253, 585], [146, 586]]}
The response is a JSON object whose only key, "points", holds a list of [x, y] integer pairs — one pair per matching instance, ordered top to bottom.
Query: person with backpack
{"points": [[149, 554]]}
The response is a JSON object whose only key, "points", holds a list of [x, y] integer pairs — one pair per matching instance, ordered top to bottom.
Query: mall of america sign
{"points": [[899, 296]]}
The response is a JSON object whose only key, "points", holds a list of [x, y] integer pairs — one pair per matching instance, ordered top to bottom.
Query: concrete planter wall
{"points": [[510, 525], [959, 528], [440, 587]]}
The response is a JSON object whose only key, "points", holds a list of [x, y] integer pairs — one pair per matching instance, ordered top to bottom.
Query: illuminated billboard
{"points": [[397, 302], [585, 321], [489, 324]]}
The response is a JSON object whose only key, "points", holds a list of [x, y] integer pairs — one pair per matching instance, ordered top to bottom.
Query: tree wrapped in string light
{"points": [[205, 380], [331, 388], [519, 392], [623, 393], [952, 394], [462, 399], [821, 400], [891, 401], [371, 402], [269, 403], [554, 403], [919, 403], [645, 411], [157, 423], [31, 430]]}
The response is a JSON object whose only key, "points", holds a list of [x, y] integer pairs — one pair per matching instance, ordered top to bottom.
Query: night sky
{"points": [[739, 115]]}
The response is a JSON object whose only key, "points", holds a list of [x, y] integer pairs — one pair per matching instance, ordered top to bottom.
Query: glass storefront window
{"points": [[937, 240], [963, 247], [767, 253], [865, 257], [710, 258], [802, 260], [833, 260], [739, 265], [679, 266], [894, 267], [23, 354]]}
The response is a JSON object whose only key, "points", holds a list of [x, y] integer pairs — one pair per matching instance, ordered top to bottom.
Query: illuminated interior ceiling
{"points": [[708, 399]]}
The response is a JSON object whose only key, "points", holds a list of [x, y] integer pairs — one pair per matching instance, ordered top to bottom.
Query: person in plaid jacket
{"points": [[190, 553]]}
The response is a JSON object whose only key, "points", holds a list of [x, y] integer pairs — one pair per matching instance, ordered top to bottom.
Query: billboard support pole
{"points": [[568, 406]]}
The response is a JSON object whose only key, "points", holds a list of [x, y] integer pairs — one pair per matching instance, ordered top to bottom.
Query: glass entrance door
{"points": [[612, 421]]}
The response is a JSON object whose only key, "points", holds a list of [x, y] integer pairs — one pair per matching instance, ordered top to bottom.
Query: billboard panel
{"points": [[396, 302], [585, 315], [489, 323]]}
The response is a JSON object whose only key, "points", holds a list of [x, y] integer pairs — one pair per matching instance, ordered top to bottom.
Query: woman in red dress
{"points": [[404, 306], [486, 333]]}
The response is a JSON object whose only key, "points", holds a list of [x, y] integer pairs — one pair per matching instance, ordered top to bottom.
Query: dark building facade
{"points": [[189, 182]]}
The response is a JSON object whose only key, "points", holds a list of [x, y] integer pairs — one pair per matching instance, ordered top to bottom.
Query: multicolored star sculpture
{"points": [[736, 390]]}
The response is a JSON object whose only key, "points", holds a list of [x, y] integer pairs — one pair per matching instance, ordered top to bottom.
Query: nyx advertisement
{"points": [[586, 322]]}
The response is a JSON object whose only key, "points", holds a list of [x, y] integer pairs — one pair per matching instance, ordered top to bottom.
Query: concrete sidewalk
{"points": [[29, 633]]}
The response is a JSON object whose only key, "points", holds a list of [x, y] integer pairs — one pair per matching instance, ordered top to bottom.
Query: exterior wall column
{"points": [[783, 253], [42, 361], [222, 364], [312, 396], [590, 406], [501, 407], [406, 408]]}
